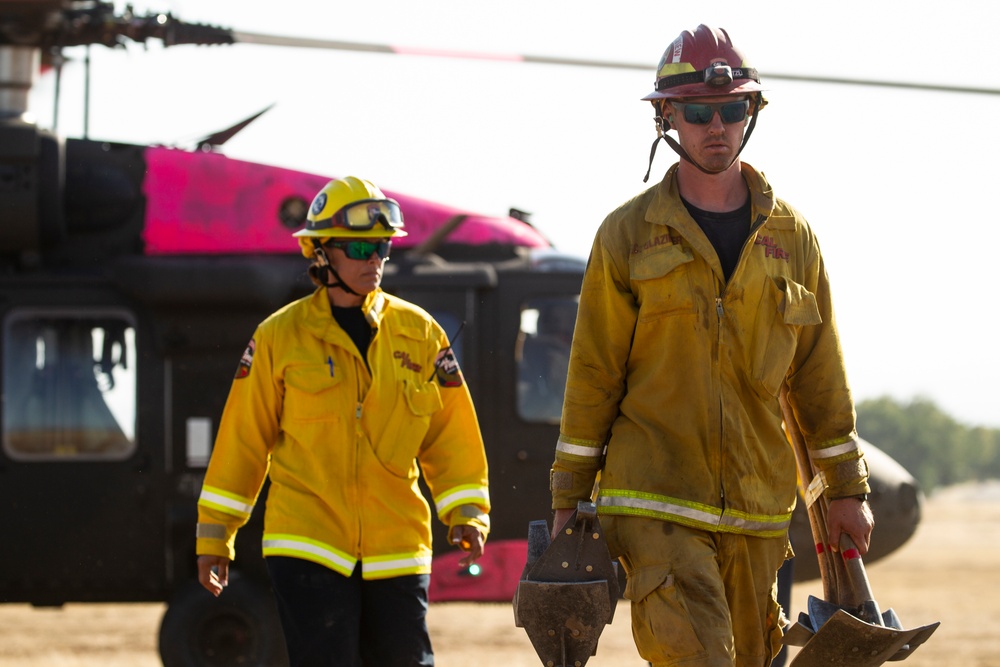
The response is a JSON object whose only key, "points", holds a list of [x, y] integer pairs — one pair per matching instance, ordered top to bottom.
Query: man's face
{"points": [[713, 144]]}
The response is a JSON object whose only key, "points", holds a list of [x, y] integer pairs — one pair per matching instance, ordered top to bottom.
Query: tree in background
{"points": [[930, 444]]}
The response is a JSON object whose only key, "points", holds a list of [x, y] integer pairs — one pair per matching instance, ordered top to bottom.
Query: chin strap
{"points": [[661, 133], [324, 270]]}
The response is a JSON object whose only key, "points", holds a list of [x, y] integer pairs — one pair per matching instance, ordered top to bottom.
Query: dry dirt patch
{"points": [[949, 572]]}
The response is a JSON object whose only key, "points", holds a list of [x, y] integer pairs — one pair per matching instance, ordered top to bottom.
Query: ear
{"points": [[667, 112]]}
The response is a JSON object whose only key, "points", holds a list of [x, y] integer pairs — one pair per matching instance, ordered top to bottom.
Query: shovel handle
{"points": [[816, 511], [855, 568]]}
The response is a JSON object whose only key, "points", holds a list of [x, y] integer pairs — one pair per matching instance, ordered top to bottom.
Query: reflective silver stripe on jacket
{"points": [[578, 450], [836, 450], [462, 495], [224, 503], [692, 514], [289, 546], [374, 568]]}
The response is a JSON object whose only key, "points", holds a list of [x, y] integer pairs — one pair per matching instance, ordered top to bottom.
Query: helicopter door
{"points": [[72, 471]]}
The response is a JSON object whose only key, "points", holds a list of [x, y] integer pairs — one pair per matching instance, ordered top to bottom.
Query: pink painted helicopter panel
{"points": [[207, 203]]}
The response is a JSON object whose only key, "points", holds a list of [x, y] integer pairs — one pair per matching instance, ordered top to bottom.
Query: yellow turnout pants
{"points": [[699, 599]]}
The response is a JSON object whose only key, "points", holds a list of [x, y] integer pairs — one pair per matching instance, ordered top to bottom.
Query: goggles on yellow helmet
{"points": [[364, 215]]}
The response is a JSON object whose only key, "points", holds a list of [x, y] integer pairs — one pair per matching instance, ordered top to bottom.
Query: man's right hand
{"points": [[560, 519], [214, 580]]}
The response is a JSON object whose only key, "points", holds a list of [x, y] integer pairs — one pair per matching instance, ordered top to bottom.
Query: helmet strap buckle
{"points": [[321, 257]]}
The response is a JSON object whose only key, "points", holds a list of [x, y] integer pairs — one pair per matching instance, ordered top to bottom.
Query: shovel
{"points": [[855, 633], [859, 635]]}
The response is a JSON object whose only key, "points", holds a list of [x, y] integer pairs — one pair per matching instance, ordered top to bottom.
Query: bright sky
{"points": [[898, 184]]}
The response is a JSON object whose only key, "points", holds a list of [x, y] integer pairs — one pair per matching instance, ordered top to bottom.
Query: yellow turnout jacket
{"points": [[674, 374], [341, 444]]}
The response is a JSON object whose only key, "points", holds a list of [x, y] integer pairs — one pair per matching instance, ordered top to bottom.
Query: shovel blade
{"points": [[820, 611], [798, 634], [921, 635], [847, 640]]}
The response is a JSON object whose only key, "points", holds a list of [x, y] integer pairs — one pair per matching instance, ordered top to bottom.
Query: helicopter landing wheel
{"points": [[240, 627]]}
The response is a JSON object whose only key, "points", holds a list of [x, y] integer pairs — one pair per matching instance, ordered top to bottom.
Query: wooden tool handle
{"points": [[816, 513], [855, 568]]}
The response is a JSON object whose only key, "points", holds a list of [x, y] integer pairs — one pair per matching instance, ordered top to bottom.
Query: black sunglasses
{"points": [[702, 113], [362, 249]]}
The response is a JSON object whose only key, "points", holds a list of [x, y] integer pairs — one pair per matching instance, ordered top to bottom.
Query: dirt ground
{"points": [[949, 572]]}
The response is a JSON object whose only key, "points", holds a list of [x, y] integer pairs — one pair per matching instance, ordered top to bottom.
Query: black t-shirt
{"points": [[727, 231], [352, 320]]}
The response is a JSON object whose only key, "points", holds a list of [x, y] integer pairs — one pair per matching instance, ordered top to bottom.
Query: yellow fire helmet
{"points": [[350, 207]]}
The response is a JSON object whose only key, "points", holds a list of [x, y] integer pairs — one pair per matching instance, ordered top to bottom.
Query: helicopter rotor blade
{"points": [[338, 45], [217, 139]]}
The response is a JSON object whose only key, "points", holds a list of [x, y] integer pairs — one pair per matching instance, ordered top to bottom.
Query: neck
{"points": [[719, 193], [342, 299]]}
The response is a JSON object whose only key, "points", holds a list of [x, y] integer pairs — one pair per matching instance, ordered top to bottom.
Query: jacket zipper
{"points": [[720, 312], [357, 450], [722, 488]]}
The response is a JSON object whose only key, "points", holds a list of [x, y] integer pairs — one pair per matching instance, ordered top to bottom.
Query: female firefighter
{"points": [[342, 398]]}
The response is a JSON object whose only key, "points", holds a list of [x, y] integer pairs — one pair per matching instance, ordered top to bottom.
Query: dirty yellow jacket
{"points": [[674, 373], [341, 444]]}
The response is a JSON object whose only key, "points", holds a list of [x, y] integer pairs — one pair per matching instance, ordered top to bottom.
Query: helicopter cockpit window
{"points": [[542, 355], [69, 385]]}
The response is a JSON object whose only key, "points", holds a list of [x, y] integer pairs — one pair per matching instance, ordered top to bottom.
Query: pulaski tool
{"points": [[568, 589], [847, 628]]}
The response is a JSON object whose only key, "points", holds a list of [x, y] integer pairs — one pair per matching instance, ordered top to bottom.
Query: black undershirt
{"points": [[727, 232], [352, 320]]}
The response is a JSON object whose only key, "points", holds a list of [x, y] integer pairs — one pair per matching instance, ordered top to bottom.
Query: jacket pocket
{"points": [[662, 281], [785, 306], [312, 394], [407, 426]]}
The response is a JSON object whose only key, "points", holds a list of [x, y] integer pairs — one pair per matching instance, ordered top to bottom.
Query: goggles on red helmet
{"points": [[363, 215]]}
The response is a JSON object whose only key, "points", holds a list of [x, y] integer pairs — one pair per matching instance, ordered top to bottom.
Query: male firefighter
{"points": [[703, 296], [341, 398]]}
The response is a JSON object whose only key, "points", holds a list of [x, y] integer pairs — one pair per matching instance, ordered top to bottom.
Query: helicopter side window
{"points": [[542, 355], [69, 385]]}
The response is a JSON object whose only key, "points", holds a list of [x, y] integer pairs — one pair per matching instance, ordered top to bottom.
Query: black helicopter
{"points": [[123, 314]]}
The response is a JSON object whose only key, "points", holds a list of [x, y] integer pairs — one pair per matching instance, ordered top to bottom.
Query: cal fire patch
{"points": [[246, 360], [446, 369]]}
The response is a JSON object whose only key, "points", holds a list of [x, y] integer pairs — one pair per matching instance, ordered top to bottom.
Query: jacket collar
{"points": [[666, 206], [319, 320]]}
